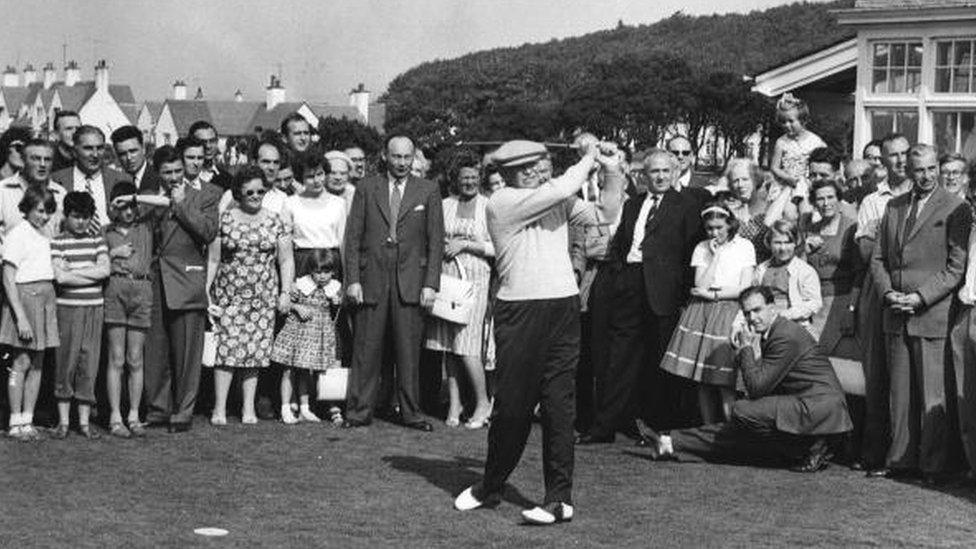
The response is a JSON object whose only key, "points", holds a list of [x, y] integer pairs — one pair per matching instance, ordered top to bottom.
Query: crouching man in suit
{"points": [[795, 400]]}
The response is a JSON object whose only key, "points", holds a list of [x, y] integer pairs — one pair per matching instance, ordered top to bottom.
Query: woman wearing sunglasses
{"points": [[12, 151], [254, 253]]}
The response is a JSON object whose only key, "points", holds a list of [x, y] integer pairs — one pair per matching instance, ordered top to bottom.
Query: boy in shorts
{"points": [[80, 260], [128, 306]]}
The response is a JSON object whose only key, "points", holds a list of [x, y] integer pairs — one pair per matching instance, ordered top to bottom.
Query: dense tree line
{"points": [[633, 83]]}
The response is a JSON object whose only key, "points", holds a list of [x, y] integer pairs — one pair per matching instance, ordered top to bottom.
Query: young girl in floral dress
{"points": [[792, 150]]}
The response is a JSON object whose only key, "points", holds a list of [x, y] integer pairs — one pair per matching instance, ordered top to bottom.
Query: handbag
{"points": [[454, 302], [333, 384]]}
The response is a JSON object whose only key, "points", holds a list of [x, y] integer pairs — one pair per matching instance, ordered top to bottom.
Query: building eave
{"points": [[875, 16], [811, 68]]}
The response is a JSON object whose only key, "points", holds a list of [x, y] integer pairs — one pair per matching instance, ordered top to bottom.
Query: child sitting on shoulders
{"points": [[792, 150], [80, 260], [128, 306], [28, 324], [307, 343]]}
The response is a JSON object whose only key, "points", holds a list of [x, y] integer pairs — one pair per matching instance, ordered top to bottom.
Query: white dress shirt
{"points": [[140, 173], [82, 183], [635, 255]]}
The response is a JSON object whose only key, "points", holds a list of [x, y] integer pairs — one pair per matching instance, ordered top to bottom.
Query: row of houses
{"points": [[31, 99]]}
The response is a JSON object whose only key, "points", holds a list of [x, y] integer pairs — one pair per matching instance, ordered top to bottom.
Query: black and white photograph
{"points": [[488, 273]]}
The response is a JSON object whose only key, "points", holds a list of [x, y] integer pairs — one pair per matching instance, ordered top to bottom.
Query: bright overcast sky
{"points": [[324, 47]]}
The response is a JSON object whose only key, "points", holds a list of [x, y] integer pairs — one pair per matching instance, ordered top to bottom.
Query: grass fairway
{"points": [[384, 486]]}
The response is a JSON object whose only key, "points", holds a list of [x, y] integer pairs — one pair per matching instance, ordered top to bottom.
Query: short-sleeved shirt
{"points": [[11, 193], [317, 222], [140, 237], [30, 252], [79, 253], [731, 257]]}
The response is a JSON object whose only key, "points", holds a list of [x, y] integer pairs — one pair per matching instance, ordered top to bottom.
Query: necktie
{"points": [[395, 198], [653, 209], [912, 213], [95, 225]]}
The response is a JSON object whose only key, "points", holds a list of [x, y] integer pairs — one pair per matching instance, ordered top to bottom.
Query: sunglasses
{"points": [[17, 146], [681, 153], [255, 192]]}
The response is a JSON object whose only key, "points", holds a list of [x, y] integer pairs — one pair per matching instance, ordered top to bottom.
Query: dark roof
{"points": [[14, 97], [131, 111], [335, 111], [186, 112], [233, 117], [271, 119]]}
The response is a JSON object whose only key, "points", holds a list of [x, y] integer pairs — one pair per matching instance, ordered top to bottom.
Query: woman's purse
{"points": [[454, 302], [333, 383]]}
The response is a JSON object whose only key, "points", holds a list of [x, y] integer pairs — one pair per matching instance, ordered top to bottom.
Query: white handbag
{"points": [[454, 302], [333, 384]]}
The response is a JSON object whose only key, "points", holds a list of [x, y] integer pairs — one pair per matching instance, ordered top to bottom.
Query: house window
{"points": [[954, 66], [896, 67], [885, 121], [954, 132]]}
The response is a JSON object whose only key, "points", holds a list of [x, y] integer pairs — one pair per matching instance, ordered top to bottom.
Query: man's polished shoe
{"points": [[264, 409], [354, 424], [424, 426], [589, 438], [817, 459], [877, 472], [904, 474], [548, 514]]}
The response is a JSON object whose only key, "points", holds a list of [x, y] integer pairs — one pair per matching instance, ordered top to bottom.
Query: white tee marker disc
{"points": [[213, 532]]}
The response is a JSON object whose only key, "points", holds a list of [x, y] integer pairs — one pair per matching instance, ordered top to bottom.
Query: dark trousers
{"points": [[389, 319], [628, 343], [174, 348], [963, 352], [536, 354], [919, 421], [876, 431], [749, 437]]}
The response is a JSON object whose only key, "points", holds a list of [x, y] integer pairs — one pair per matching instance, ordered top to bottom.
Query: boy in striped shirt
{"points": [[80, 259]]}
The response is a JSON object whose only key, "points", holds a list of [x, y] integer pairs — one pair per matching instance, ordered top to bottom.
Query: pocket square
{"points": [[419, 208], [192, 268]]}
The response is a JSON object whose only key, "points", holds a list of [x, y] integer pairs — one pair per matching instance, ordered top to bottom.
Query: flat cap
{"points": [[518, 152]]}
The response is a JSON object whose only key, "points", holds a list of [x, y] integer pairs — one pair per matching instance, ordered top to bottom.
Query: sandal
{"points": [[335, 415], [218, 419], [452, 422], [137, 428], [118, 429], [60, 432], [29, 433], [89, 433]]}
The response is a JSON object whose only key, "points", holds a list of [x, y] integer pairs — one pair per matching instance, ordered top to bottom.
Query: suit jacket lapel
{"points": [[382, 195], [411, 196], [934, 203], [652, 222], [169, 225]]}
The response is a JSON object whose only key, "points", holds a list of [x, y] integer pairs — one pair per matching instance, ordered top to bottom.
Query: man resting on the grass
{"points": [[795, 400]]}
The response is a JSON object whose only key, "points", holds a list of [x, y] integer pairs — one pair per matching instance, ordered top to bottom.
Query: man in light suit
{"points": [[89, 174], [394, 245], [917, 263], [648, 272], [174, 347], [795, 400]]}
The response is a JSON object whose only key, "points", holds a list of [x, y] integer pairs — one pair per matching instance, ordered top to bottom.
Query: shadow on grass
{"points": [[452, 476]]}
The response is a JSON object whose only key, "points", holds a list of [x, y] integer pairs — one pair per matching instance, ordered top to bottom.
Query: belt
{"points": [[131, 276]]}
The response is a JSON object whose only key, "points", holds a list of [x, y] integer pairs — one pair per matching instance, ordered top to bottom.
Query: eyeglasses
{"points": [[681, 153], [952, 174], [255, 192]]}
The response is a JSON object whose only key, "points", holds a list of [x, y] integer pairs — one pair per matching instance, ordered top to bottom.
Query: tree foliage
{"points": [[338, 133]]}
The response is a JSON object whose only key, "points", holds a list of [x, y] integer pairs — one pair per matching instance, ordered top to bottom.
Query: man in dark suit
{"points": [[65, 124], [131, 153], [211, 173], [89, 174], [687, 181], [394, 244], [918, 262], [648, 274], [174, 346], [795, 400]]}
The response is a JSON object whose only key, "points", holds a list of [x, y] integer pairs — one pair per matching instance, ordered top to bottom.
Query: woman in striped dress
{"points": [[468, 246], [700, 347]]}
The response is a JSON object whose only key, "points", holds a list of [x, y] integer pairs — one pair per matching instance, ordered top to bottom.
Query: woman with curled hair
{"points": [[12, 151], [746, 198], [318, 221], [467, 246], [830, 249], [251, 254], [795, 284], [28, 321], [700, 348]]}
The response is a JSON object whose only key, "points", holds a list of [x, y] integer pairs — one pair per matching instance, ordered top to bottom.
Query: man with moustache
{"points": [[65, 124], [131, 153], [89, 174], [394, 244], [917, 264]]}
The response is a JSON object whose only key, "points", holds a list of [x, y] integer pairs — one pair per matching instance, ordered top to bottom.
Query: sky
{"points": [[323, 48]]}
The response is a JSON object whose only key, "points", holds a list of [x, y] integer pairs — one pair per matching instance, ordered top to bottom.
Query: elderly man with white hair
{"points": [[337, 183]]}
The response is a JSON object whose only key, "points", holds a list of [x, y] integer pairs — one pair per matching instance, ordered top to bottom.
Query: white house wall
{"points": [[102, 111], [165, 126]]}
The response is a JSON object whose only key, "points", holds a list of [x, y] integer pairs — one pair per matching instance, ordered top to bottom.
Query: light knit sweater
{"points": [[529, 229]]}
